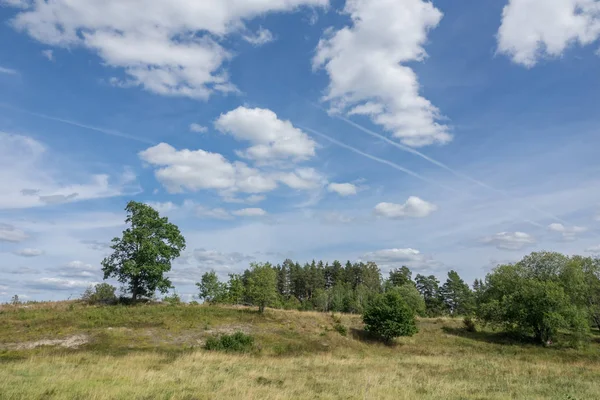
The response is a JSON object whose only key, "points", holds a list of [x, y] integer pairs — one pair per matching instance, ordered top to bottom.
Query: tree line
{"points": [[544, 293]]}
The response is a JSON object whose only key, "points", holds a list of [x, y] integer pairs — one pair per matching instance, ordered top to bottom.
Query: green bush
{"points": [[103, 293], [172, 300], [388, 316], [469, 324], [341, 329], [239, 342]]}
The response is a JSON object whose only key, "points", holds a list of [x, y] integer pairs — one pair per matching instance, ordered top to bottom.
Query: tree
{"points": [[143, 256], [400, 276], [262, 285], [429, 287], [235, 289], [211, 290], [100, 293], [457, 295], [411, 297], [529, 297], [388, 316]]}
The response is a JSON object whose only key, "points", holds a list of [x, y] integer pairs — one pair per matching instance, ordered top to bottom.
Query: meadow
{"points": [[69, 350]]}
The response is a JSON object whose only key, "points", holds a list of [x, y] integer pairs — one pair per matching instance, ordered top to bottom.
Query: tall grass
{"points": [[156, 352]]}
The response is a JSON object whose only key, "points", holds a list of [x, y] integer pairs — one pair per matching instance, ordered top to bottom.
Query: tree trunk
{"points": [[261, 308]]}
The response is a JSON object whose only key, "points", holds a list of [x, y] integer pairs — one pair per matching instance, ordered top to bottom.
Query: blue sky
{"points": [[444, 135]]}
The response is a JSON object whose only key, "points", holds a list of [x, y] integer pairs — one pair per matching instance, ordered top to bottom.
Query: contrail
{"points": [[80, 125], [380, 160], [439, 164]]}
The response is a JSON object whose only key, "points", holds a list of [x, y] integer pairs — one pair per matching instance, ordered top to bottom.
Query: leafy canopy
{"points": [[143, 255], [262, 285], [388, 316]]}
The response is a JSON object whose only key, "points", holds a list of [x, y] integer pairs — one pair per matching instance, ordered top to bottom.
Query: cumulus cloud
{"points": [[533, 29], [260, 37], [170, 48], [367, 72], [198, 128], [271, 138], [195, 170], [343, 189], [163, 207], [413, 208], [250, 212], [214, 213], [8, 233], [567, 233], [509, 240], [593, 249], [29, 252], [392, 258], [206, 260], [77, 269]]}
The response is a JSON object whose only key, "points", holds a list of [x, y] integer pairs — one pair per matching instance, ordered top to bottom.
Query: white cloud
{"points": [[533, 29], [262, 36], [169, 48], [49, 54], [365, 67], [8, 71], [198, 128], [272, 138], [194, 170], [31, 179], [303, 179], [343, 189], [163, 207], [414, 208], [250, 212], [214, 213], [337, 218], [8, 233], [567, 233], [509, 240], [593, 249], [28, 252], [390, 258], [60, 284]]}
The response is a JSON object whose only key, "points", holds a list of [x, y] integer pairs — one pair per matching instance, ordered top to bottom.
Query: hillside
{"points": [[71, 351]]}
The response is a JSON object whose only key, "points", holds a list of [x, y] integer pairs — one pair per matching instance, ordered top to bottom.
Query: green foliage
{"points": [[143, 255], [400, 277], [262, 285], [429, 287], [235, 289], [211, 290], [102, 293], [457, 296], [411, 297], [534, 298], [172, 300], [388, 316], [469, 324], [341, 329], [239, 342]]}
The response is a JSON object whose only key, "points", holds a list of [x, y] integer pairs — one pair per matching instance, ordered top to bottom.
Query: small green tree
{"points": [[143, 256], [400, 276], [262, 285], [429, 287], [235, 289], [211, 290], [101, 293], [457, 295], [411, 297], [530, 299], [388, 316]]}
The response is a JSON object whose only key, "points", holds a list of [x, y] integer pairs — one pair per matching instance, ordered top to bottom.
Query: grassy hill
{"points": [[69, 350]]}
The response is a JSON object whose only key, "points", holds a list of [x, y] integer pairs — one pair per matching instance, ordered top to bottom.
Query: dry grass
{"points": [[299, 356]]}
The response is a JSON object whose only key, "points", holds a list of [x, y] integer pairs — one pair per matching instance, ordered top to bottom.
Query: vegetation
{"points": [[143, 255], [261, 285], [102, 293], [388, 316], [239, 342], [156, 351]]}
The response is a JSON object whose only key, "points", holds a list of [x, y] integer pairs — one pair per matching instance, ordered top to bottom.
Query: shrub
{"points": [[102, 293], [15, 300], [172, 300], [388, 316], [469, 324], [341, 329], [239, 342]]}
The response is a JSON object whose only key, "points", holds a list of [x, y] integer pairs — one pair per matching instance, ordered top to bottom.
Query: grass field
{"points": [[72, 351]]}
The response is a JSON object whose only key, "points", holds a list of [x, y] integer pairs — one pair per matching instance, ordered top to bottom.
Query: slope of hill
{"points": [[72, 351]]}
